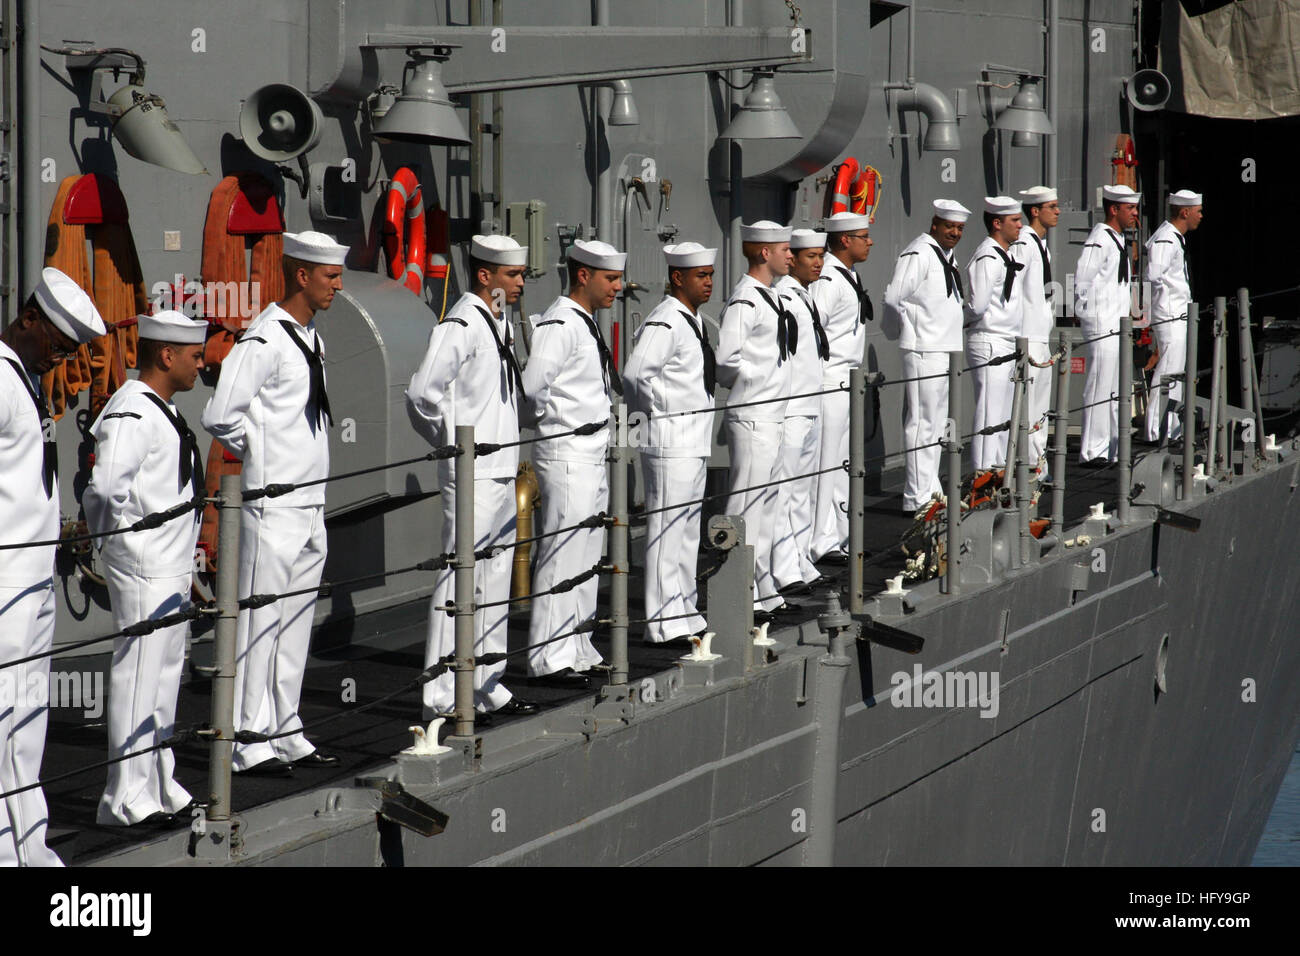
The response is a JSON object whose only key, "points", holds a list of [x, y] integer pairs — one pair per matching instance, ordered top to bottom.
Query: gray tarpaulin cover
{"points": [[1241, 61]]}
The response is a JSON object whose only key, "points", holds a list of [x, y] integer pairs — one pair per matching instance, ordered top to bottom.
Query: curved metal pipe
{"points": [[928, 101]]}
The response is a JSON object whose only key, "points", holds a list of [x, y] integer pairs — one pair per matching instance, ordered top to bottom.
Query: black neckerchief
{"points": [[1047, 265], [1012, 267], [951, 274], [1187, 274], [1123, 275], [865, 310], [787, 329], [819, 331], [706, 349], [509, 364], [607, 370], [318, 400], [49, 448], [191, 469]]}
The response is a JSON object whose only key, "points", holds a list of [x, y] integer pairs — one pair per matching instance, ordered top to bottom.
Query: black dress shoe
{"points": [[1094, 464], [833, 557], [798, 589], [566, 678], [515, 707], [317, 759], [274, 767], [186, 812], [159, 818]]}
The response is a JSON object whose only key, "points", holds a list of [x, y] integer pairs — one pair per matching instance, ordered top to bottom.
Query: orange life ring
{"points": [[844, 177], [404, 244]]}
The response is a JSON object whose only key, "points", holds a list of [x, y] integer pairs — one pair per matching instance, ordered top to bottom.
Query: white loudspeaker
{"points": [[279, 122]]}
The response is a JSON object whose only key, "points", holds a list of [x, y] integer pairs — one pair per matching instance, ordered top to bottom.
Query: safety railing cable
{"points": [[277, 490], [150, 521], [175, 740]]}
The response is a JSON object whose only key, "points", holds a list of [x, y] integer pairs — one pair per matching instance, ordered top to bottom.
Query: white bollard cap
{"points": [[894, 585]]}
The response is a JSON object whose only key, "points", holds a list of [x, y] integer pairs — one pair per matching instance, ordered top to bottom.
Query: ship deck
{"points": [[381, 652]]}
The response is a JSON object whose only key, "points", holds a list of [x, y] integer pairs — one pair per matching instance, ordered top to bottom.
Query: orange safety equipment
{"points": [[844, 176], [242, 211], [404, 242], [116, 285]]}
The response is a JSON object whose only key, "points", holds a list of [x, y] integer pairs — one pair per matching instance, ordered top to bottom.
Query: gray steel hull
{"points": [[1085, 763]]}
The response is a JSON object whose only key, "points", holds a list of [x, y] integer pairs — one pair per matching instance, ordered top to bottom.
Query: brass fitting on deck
{"points": [[527, 494]]}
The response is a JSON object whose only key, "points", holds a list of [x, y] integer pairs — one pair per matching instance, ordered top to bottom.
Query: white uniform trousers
{"points": [[1171, 340], [994, 387], [1040, 401], [924, 414], [1100, 437], [755, 449], [571, 491], [831, 497], [494, 524], [792, 543], [672, 546], [280, 549], [26, 628], [143, 683]]}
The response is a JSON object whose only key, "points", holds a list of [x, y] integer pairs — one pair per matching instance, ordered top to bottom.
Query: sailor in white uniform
{"points": [[1041, 211], [1171, 292], [926, 295], [1102, 296], [845, 310], [57, 319], [993, 320], [757, 342], [672, 370], [470, 376], [570, 380], [271, 409], [147, 460], [792, 562]]}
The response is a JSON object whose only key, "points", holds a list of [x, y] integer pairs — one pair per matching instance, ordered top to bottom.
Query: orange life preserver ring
{"points": [[844, 177], [403, 244]]}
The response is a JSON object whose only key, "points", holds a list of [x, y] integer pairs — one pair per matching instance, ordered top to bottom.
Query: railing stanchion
{"points": [[1216, 387], [1249, 389], [1189, 402], [1125, 417], [1021, 425], [1060, 429], [857, 486], [952, 488], [618, 554], [464, 582], [223, 651]]}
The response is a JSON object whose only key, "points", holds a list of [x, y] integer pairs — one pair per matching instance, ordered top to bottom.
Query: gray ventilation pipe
{"points": [[925, 99]]}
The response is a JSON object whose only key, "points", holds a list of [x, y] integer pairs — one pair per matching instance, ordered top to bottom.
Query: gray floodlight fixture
{"points": [[423, 111], [622, 111], [1026, 114], [762, 116], [139, 118]]}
